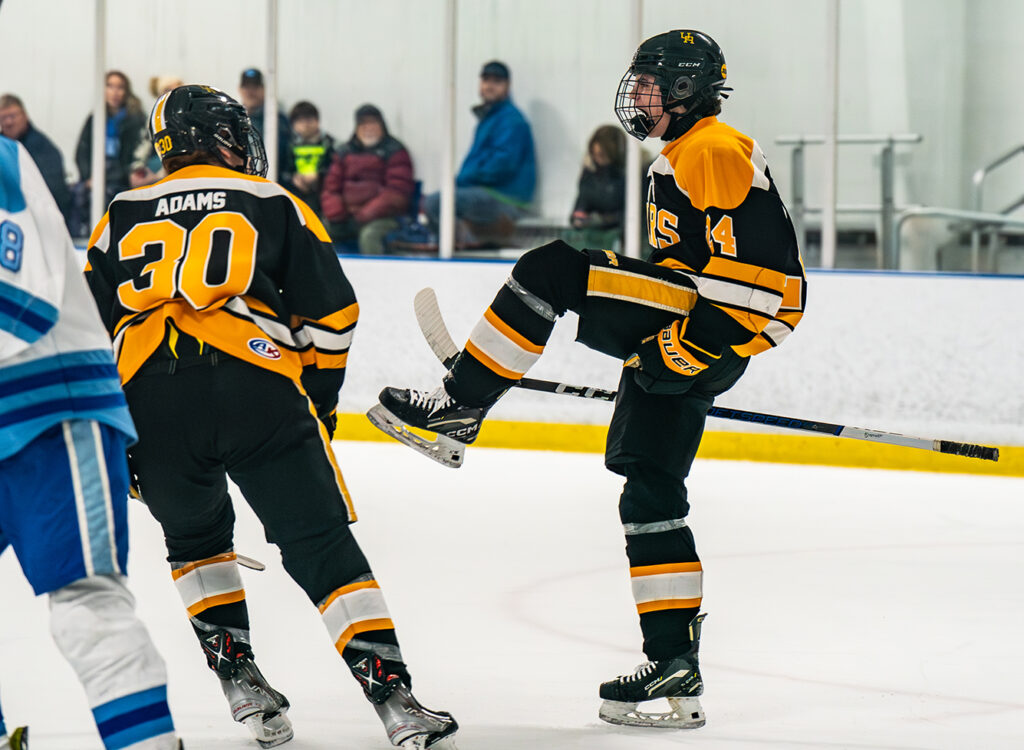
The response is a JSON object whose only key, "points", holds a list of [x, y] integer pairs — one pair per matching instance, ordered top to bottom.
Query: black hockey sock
{"points": [[510, 337], [665, 570]]}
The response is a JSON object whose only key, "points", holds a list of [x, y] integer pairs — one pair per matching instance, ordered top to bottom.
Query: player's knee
{"points": [[553, 259], [555, 272], [651, 494], [79, 610]]}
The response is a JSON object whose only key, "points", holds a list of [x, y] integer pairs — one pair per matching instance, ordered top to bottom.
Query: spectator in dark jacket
{"points": [[252, 94], [15, 125], [126, 127], [312, 150], [369, 183], [495, 183], [597, 215]]}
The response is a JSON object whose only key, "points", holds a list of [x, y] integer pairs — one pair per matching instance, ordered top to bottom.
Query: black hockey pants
{"points": [[652, 439]]}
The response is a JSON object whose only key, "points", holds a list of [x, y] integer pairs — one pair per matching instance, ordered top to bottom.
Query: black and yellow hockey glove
{"points": [[666, 362]]}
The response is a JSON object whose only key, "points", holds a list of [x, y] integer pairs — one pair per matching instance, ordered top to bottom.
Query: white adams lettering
{"points": [[208, 201]]}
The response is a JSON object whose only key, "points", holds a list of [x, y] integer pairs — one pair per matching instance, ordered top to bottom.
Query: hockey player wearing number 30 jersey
{"points": [[724, 282], [232, 320], [64, 426]]}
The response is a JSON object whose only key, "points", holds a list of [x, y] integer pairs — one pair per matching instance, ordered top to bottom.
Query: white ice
{"points": [[846, 609]]}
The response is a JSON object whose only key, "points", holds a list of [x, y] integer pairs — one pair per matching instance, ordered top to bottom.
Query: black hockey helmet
{"points": [[687, 67], [201, 118]]}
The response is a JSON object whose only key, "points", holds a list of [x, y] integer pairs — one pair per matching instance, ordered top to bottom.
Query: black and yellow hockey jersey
{"points": [[714, 213], [233, 260]]}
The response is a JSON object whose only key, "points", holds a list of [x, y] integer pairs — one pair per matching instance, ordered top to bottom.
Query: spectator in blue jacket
{"points": [[15, 125], [495, 184]]}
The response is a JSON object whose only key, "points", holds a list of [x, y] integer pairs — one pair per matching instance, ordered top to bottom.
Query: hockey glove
{"points": [[667, 363], [330, 422]]}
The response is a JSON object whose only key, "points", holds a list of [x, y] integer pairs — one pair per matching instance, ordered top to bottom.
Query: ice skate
{"points": [[456, 426], [632, 699], [252, 700], [408, 724], [18, 740]]}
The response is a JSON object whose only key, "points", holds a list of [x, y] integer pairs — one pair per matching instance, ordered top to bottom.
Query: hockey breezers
{"points": [[428, 315]]}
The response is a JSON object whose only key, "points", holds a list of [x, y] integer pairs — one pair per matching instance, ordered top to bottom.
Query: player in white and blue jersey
{"points": [[64, 430]]}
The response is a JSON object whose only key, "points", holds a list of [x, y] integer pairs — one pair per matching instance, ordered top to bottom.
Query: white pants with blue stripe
{"points": [[63, 508]]}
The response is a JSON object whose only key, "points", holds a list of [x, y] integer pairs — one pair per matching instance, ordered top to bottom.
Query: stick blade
{"points": [[428, 315]]}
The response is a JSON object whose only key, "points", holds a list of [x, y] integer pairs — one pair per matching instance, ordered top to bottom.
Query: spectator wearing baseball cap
{"points": [[252, 94], [495, 183], [368, 186]]}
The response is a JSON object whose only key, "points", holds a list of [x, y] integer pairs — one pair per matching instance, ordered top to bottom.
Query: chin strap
{"points": [[701, 107]]}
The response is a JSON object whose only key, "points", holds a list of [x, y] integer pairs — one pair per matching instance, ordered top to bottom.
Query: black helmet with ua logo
{"points": [[678, 70], [192, 119]]}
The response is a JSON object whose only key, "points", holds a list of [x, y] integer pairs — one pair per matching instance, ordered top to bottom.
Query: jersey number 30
{"points": [[183, 264]]}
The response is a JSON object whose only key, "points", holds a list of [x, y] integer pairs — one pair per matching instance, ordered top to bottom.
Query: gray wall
{"points": [[942, 68]]}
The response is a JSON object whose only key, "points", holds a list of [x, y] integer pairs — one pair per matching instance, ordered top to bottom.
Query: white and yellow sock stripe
{"points": [[501, 348], [203, 584], [669, 586], [355, 608]]}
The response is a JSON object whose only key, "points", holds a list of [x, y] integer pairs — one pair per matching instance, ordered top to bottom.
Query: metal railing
{"points": [[977, 190], [886, 209], [977, 218]]}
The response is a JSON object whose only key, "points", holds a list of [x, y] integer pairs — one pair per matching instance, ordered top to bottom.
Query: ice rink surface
{"points": [[846, 609]]}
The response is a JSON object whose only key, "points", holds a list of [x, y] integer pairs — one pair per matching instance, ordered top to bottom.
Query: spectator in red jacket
{"points": [[369, 184]]}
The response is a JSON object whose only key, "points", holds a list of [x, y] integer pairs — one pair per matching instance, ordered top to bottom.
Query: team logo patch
{"points": [[264, 348]]}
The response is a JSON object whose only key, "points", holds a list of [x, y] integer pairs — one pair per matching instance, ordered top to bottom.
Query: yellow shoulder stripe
{"points": [[313, 222], [98, 231]]}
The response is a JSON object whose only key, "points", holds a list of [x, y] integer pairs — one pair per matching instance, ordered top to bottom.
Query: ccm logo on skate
{"points": [[264, 348]]}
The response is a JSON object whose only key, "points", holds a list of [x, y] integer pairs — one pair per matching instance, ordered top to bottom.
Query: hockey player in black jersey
{"points": [[724, 282], [232, 321]]}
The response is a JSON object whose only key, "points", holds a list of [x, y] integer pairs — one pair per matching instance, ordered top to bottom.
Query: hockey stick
{"points": [[428, 315]]}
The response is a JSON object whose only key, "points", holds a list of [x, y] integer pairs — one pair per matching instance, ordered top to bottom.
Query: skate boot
{"points": [[456, 425], [628, 700], [253, 702], [408, 724], [17, 741]]}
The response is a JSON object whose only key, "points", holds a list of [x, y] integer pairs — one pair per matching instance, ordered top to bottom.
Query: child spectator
{"points": [[312, 150]]}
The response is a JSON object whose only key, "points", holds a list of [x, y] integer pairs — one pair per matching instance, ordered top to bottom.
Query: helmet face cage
{"points": [[632, 105], [634, 120], [256, 155]]}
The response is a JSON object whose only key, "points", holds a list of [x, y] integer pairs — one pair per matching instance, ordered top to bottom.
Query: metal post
{"points": [[270, 130], [978, 179], [98, 191], [798, 211], [828, 212], [446, 239], [885, 241], [631, 244]]}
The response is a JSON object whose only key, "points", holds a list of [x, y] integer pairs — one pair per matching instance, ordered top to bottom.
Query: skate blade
{"points": [[442, 449], [683, 713], [271, 732], [424, 741]]}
